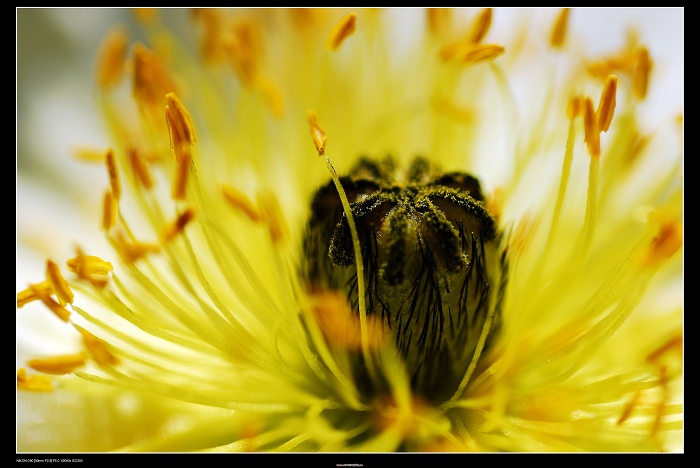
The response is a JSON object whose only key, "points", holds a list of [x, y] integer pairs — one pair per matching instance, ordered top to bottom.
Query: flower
{"points": [[521, 251]]}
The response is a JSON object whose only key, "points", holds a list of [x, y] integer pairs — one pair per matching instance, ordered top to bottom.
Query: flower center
{"points": [[431, 252]]}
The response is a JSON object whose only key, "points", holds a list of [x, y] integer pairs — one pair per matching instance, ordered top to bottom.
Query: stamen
{"points": [[439, 20], [212, 26], [481, 26], [342, 30], [559, 30], [240, 48], [470, 53], [110, 60], [642, 69], [152, 80], [273, 95], [575, 107], [606, 107], [180, 128], [592, 131], [318, 135], [319, 138], [593, 142], [90, 154], [141, 172], [182, 172], [113, 175], [241, 202], [109, 211], [271, 213], [179, 224], [666, 243], [132, 251], [86, 265], [58, 283], [28, 295], [54, 306], [98, 349], [58, 365], [38, 383]]}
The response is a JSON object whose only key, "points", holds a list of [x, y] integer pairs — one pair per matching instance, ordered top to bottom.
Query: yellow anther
{"points": [[439, 21], [561, 24], [481, 26], [343, 29], [212, 30], [243, 47], [470, 53], [111, 58], [244, 63], [602, 69], [642, 69], [152, 81], [273, 95], [575, 107], [606, 107], [180, 127], [591, 129], [318, 135], [90, 154], [139, 167], [182, 173], [114, 183], [241, 202], [109, 211], [271, 214], [178, 225], [666, 243], [132, 251], [86, 265], [58, 283], [42, 294], [29, 295], [340, 325], [98, 350], [58, 365], [37, 383]]}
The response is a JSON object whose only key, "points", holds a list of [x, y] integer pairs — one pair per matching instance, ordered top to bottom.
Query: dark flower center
{"points": [[430, 252]]}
